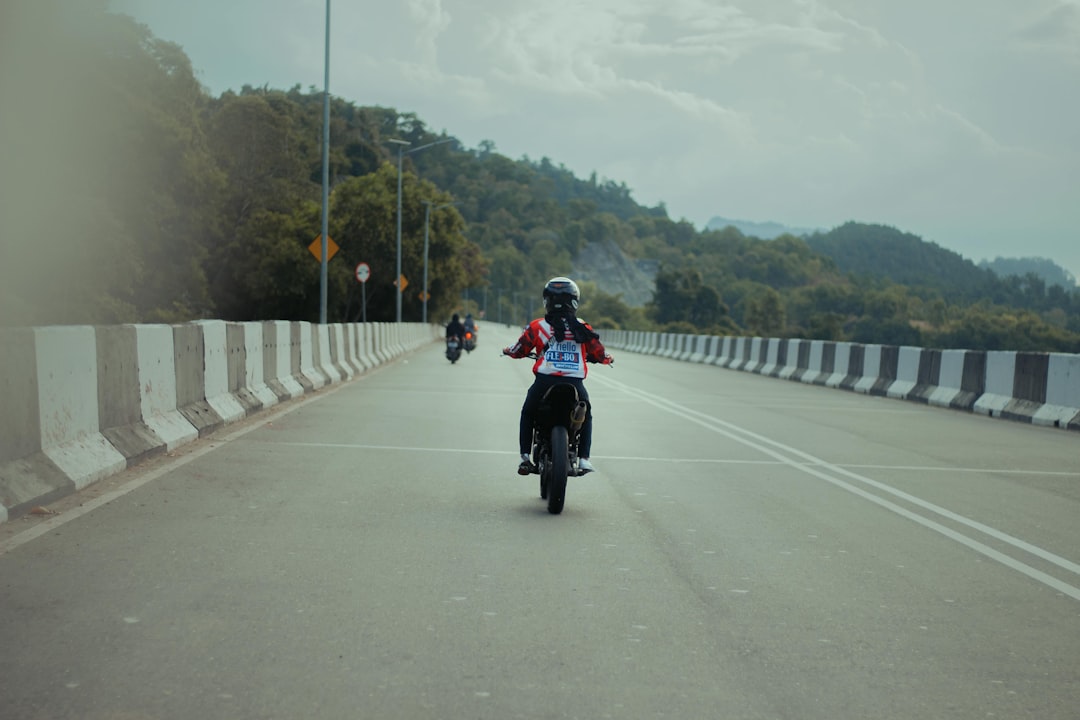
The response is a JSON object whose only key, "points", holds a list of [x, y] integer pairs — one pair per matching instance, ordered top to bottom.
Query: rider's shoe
{"points": [[526, 465], [584, 466]]}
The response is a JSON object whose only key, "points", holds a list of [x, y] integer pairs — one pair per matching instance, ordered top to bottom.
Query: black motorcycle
{"points": [[470, 340], [453, 349], [556, 430], [556, 437]]}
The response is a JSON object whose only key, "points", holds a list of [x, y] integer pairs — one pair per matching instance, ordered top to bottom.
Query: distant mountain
{"points": [[763, 230], [884, 252], [1050, 272]]}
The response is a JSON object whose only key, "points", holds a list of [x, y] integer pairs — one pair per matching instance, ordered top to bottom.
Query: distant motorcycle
{"points": [[470, 340], [453, 349]]}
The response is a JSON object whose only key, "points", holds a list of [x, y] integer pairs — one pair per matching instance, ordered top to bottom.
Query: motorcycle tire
{"points": [[560, 466]]}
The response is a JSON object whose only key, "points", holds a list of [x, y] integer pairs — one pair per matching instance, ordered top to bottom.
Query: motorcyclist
{"points": [[470, 327], [454, 329], [563, 345]]}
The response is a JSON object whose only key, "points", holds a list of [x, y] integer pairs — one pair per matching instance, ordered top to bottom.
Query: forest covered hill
{"points": [[173, 204], [1048, 270]]}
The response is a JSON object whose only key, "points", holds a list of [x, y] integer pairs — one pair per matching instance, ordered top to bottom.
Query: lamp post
{"points": [[401, 153], [325, 173], [427, 222], [397, 277]]}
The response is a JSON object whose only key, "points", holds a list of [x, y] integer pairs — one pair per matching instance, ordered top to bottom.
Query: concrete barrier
{"points": [[664, 344], [686, 348], [723, 352], [697, 354], [218, 355], [758, 355], [769, 357], [796, 359], [841, 359], [781, 362], [822, 362], [67, 363], [888, 364], [871, 365], [283, 372], [907, 372], [1000, 375], [928, 376], [254, 379], [960, 379], [191, 380], [157, 385], [1029, 386], [1038, 388], [118, 389], [82, 403], [1061, 406], [50, 443]]}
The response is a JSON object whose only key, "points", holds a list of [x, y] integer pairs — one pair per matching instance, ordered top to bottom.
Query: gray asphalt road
{"points": [[749, 548]]}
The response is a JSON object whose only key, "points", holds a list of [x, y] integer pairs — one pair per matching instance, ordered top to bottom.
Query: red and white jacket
{"points": [[564, 356]]}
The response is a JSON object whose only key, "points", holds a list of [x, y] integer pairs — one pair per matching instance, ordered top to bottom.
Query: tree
{"points": [[364, 224], [765, 313]]}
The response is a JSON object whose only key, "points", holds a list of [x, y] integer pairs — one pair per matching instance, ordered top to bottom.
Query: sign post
{"points": [[363, 272]]}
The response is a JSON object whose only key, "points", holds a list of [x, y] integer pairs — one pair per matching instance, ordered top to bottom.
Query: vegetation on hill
{"points": [[165, 204], [1049, 271]]}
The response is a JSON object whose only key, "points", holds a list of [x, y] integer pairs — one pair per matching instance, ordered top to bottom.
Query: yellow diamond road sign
{"points": [[316, 248]]}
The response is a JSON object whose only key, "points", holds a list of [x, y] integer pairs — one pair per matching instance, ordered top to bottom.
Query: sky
{"points": [[955, 120]]}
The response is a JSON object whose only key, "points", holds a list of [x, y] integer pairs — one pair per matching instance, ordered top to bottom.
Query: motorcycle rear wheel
{"points": [[560, 466]]}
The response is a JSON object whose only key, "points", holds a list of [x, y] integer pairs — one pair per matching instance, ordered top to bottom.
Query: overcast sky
{"points": [[955, 120]]}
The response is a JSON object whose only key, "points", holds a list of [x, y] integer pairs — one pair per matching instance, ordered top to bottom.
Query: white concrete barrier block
{"points": [[307, 357], [841, 364], [216, 368], [871, 369], [907, 372], [950, 378], [1000, 378], [254, 379], [157, 386], [1062, 391], [68, 405]]}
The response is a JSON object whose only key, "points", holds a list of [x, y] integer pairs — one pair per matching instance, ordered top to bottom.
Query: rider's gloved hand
{"points": [[608, 360]]}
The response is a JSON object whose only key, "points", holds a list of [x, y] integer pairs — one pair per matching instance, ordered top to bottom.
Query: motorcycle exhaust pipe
{"points": [[577, 416]]}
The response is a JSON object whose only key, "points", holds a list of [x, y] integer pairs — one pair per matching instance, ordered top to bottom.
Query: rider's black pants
{"points": [[532, 400]]}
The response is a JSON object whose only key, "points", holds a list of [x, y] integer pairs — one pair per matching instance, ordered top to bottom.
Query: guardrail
{"points": [[1037, 388], [80, 403]]}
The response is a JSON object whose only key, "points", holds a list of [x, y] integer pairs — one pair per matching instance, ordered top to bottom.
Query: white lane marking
{"points": [[761, 443], [701, 461]]}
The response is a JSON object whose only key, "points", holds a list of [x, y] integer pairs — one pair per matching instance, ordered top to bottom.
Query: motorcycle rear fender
{"points": [[558, 406]]}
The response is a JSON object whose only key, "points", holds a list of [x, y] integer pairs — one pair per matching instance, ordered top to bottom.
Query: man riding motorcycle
{"points": [[470, 333], [563, 345]]}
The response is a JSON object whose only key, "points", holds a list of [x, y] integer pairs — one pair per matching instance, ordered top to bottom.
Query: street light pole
{"points": [[402, 152], [325, 174], [427, 222], [397, 278]]}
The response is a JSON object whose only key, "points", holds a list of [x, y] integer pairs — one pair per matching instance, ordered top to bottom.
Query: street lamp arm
{"points": [[430, 144]]}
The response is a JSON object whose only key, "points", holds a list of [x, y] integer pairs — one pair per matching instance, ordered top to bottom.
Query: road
{"points": [[749, 548]]}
